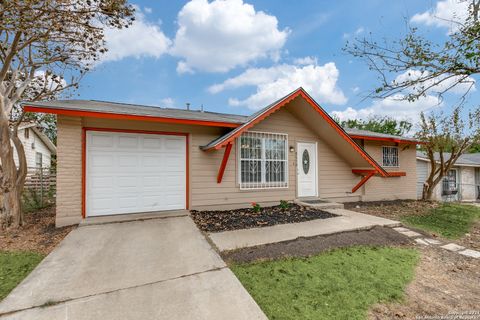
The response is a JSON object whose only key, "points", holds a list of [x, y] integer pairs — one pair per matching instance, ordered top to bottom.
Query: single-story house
{"points": [[38, 147], [115, 158], [462, 183]]}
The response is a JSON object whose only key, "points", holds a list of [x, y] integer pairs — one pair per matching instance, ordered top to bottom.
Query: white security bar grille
{"points": [[390, 156], [263, 160]]}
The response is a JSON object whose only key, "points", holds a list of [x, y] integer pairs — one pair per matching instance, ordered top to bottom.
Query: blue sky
{"points": [[236, 56]]}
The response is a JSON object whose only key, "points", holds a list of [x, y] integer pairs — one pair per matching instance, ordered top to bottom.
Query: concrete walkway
{"points": [[346, 221], [152, 269]]}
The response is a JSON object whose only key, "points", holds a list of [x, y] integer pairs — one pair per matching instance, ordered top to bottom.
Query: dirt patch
{"points": [[393, 209], [215, 221], [38, 234], [472, 239], [303, 247], [444, 282]]}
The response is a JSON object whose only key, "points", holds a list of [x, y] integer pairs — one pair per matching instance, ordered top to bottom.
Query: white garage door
{"points": [[129, 172]]}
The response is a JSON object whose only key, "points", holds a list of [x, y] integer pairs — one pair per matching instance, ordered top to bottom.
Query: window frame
{"points": [[38, 156], [383, 157], [263, 184]]}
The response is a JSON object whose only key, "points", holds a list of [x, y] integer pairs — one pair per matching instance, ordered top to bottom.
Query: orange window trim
{"points": [[119, 116], [84, 158]]}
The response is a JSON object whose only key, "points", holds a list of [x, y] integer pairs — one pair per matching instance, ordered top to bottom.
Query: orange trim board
{"points": [[105, 115], [330, 121], [226, 155], [84, 158], [389, 174], [362, 182]]}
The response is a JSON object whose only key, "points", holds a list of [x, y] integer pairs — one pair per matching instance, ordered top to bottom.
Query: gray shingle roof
{"points": [[140, 110], [155, 111], [353, 131], [468, 159]]}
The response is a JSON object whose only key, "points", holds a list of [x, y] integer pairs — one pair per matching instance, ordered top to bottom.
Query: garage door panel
{"points": [[98, 140], [127, 142], [152, 143], [129, 173]]}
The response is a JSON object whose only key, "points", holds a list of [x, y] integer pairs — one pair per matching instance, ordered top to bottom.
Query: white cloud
{"points": [[147, 10], [444, 14], [359, 30], [220, 35], [141, 39], [305, 60], [275, 82], [454, 84], [355, 89], [167, 103], [393, 107]]}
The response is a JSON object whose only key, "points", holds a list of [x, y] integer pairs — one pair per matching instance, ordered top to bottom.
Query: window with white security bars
{"points": [[390, 156], [263, 160]]}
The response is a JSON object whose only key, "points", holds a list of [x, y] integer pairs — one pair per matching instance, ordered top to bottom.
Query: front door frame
{"points": [[299, 167]]}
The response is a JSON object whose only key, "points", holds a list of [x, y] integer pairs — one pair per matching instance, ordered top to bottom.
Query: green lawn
{"points": [[449, 220], [14, 267], [339, 284]]}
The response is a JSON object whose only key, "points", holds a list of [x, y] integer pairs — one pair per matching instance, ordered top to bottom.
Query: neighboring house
{"points": [[38, 147], [116, 158], [462, 182]]}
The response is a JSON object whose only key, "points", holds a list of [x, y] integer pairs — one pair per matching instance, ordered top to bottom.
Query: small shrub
{"points": [[284, 204], [256, 207]]}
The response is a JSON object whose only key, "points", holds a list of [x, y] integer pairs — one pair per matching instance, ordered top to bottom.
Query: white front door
{"points": [[307, 169], [130, 172]]}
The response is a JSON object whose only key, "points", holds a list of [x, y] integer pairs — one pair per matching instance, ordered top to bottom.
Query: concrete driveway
{"points": [[152, 269]]}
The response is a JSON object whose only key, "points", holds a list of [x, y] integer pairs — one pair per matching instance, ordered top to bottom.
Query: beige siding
{"points": [[69, 170], [334, 172], [378, 188]]}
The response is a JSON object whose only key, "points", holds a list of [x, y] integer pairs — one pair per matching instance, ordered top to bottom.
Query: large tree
{"points": [[46, 46], [412, 67], [445, 138]]}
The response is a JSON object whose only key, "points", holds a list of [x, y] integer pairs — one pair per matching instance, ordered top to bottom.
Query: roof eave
{"points": [[108, 115]]}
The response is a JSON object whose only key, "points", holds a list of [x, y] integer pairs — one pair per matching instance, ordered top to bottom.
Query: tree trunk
{"points": [[11, 179]]}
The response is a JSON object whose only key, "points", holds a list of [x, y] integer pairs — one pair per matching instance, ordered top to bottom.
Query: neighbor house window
{"points": [[390, 156], [38, 160], [263, 160], [449, 185]]}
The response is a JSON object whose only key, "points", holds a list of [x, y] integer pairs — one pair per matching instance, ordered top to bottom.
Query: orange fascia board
{"points": [[300, 92], [119, 116], [355, 136], [389, 174], [397, 174]]}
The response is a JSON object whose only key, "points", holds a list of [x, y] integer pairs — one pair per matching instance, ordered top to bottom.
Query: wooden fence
{"points": [[41, 183]]}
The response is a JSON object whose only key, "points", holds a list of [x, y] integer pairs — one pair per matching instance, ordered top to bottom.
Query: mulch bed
{"points": [[216, 221], [38, 234], [304, 247]]}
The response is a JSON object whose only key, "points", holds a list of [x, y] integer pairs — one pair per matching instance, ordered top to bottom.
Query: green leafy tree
{"points": [[44, 43], [415, 66], [386, 125], [448, 136]]}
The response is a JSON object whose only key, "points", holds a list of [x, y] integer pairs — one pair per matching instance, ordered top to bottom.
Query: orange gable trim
{"points": [[299, 92], [106, 115]]}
